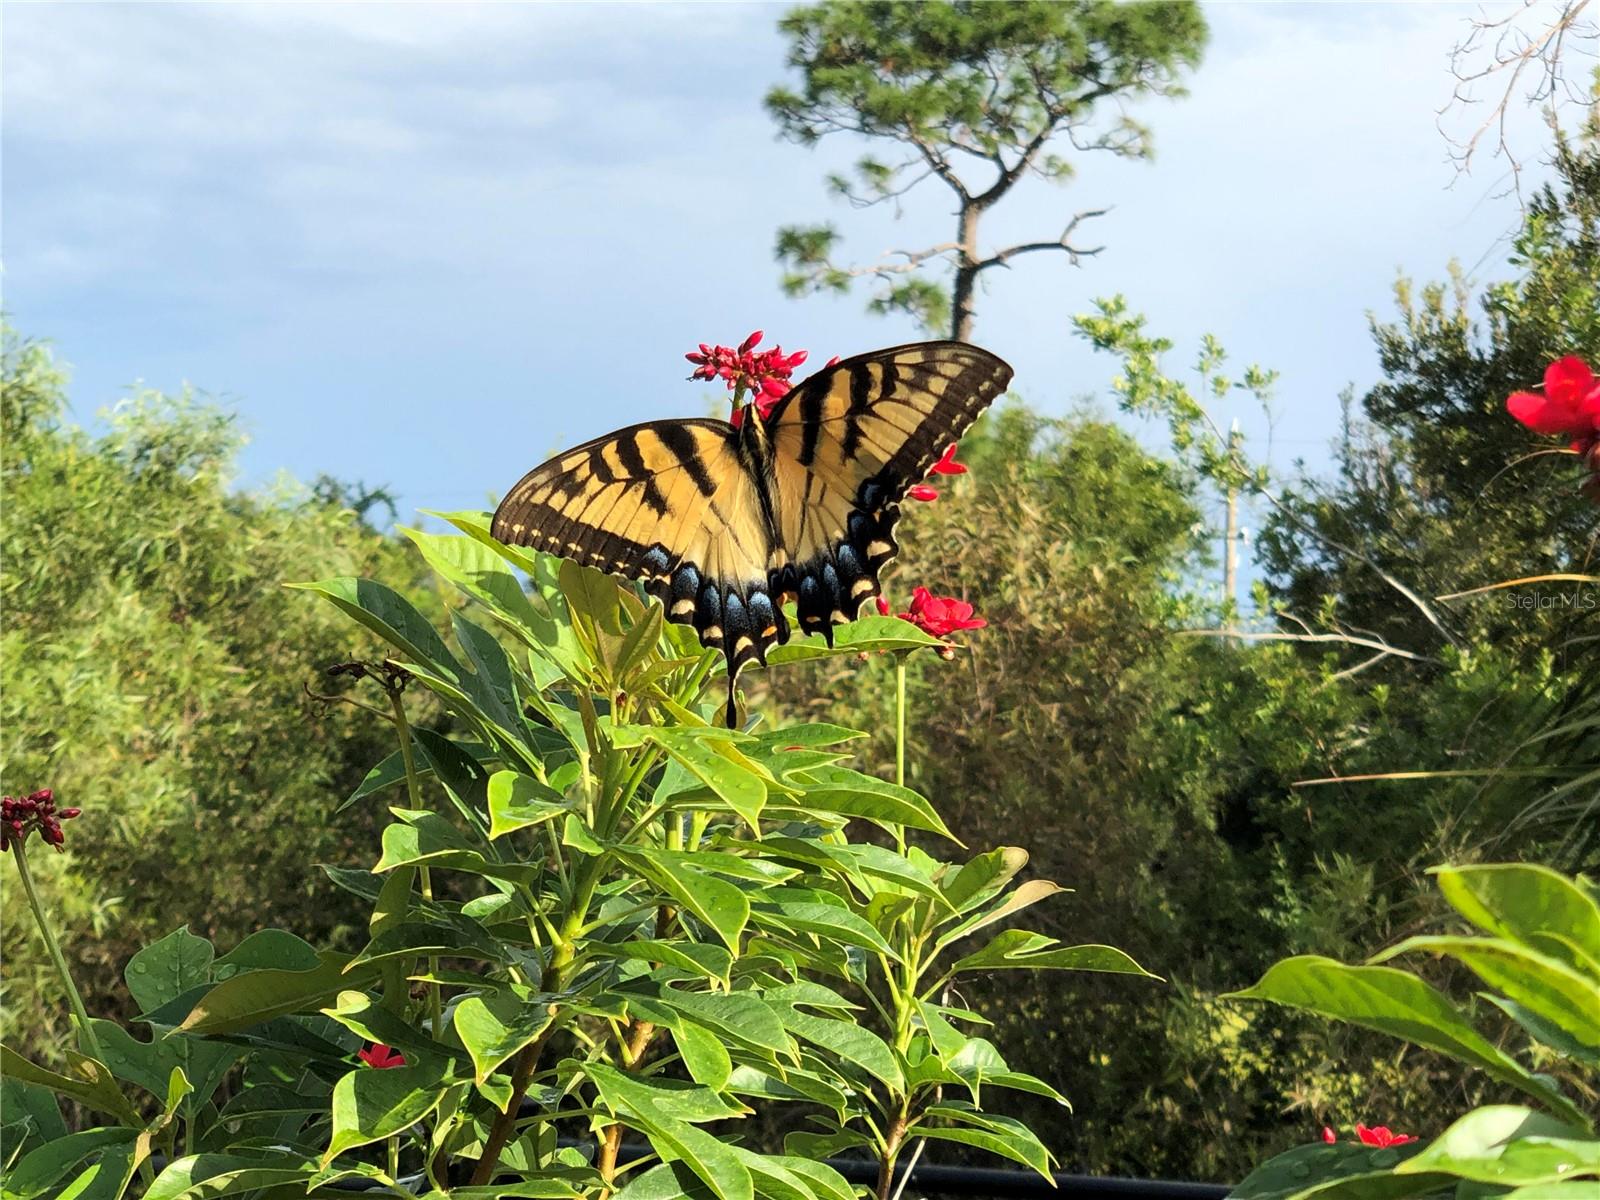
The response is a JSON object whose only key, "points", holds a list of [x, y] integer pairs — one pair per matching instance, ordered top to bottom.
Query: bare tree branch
{"points": [[1512, 49], [1002, 258], [1384, 648]]}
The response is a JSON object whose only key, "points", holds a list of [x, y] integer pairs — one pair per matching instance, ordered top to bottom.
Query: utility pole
{"points": [[1230, 550]]}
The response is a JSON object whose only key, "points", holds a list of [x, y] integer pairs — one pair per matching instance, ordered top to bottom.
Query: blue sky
{"points": [[426, 246]]}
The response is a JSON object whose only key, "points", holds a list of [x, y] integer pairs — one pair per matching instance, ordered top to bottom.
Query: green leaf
{"points": [[391, 616], [869, 634], [710, 755], [852, 794], [518, 801], [427, 839], [982, 877], [1024, 896], [1529, 904], [720, 905], [826, 920], [452, 935], [267, 949], [1019, 949], [699, 958], [167, 968], [1543, 985], [257, 996], [1400, 1005], [739, 1017], [371, 1022], [493, 1028], [1542, 1031], [846, 1040], [704, 1056], [149, 1065], [87, 1081], [795, 1084], [674, 1098], [370, 1104], [34, 1105], [652, 1110], [1004, 1136], [1508, 1144], [39, 1169], [1340, 1171], [209, 1176], [107, 1179], [668, 1181]]}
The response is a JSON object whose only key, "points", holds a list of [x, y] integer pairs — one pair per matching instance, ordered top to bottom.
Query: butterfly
{"points": [[726, 524]]}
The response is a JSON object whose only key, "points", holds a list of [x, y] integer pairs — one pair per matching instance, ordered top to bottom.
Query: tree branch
{"points": [[1001, 257], [1384, 648]]}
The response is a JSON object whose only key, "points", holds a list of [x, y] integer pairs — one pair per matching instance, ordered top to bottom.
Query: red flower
{"points": [[763, 375], [1570, 404], [947, 464], [921, 491], [940, 616], [20, 816], [382, 1057], [1375, 1135], [1380, 1135]]}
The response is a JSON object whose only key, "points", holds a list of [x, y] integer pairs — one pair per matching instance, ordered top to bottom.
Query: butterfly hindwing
{"points": [[847, 445], [669, 503]]}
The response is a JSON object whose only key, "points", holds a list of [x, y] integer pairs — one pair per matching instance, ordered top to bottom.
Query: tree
{"points": [[964, 86], [154, 670]]}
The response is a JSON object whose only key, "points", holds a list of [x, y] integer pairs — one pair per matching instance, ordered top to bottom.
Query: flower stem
{"points": [[900, 736], [414, 791], [79, 1013]]}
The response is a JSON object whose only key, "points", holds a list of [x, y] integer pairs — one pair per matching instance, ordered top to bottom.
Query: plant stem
{"points": [[900, 737], [414, 791], [79, 1013], [891, 1151]]}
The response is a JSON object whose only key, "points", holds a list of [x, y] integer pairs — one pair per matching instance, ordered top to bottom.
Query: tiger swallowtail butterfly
{"points": [[726, 524]]}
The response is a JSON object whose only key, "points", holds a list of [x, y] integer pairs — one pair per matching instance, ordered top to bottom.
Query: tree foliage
{"points": [[959, 88], [154, 669]]}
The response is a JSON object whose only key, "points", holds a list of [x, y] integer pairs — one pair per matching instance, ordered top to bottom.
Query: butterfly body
{"points": [[725, 525]]}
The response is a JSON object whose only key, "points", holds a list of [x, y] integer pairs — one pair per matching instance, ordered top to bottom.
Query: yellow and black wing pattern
{"points": [[847, 444], [725, 525]]}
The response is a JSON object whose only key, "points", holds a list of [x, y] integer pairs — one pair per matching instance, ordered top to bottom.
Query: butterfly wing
{"points": [[847, 445], [669, 503]]}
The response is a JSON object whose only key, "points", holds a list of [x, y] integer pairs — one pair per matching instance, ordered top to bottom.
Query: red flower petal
{"points": [[750, 342], [1566, 380], [1537, 413], [947, 464], [923, 492], [883, 606], [1329, 1136]]}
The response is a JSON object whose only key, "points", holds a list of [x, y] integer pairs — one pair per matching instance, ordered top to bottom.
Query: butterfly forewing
{"points": [[847, 445]]}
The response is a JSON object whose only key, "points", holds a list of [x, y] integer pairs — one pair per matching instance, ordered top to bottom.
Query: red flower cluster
{"points": [[764, 374], [1570, 405], [947, 465], [937, 616], [19, 817], [382, 1056], [1375, 1135]]}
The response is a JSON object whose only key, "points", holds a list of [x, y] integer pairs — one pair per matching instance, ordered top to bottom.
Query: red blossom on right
{"points": [[1570, 407], [937, 616], [382, 1057], [1371, 1135]]}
